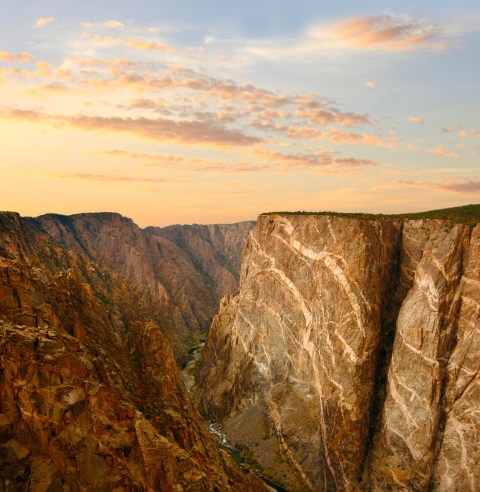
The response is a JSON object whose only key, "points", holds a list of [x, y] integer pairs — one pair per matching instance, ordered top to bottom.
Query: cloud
{"points": [[44, 21], [114, 24], [86, 25], [385, 32], [130, 42], [20, 57], [43, 69], [371, 85], [156, 106], [323, 116], [416, 119], [163, 129], [193, 132], [463, 134], [335, 136], [442, 151], [141, 155], [321, 159], [196, 165], [110, 178], [454, 185], [465, 186]]}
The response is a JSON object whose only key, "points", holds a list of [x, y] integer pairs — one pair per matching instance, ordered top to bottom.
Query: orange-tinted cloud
{"points": [[44, 21], [114, 24], [385, 32], [131, 42], [20, 57], [43, 69], [370, 85], [156, 106], [328, 116], [416, 119], [193, 132], [335, 136], [442, 151], [141, 155], [319, 159], [323, 160], [196, 165], [111, 178], [455, 185]]}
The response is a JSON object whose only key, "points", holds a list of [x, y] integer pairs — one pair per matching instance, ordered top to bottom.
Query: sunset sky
{"points": [[215, 111]]}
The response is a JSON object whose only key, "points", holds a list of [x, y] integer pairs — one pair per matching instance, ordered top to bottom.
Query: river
{"points": [[214, 428]]}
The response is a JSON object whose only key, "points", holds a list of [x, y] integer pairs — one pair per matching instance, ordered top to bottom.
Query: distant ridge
{"points": [[467, 214]]}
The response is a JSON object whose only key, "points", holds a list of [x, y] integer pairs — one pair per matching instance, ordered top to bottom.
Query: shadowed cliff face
{"points": [[180, 273], [356, 342], [89, 401]]}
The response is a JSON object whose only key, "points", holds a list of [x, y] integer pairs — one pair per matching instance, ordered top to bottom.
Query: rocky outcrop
{"points": [[179, 272], [355, 341], [88, 401]]}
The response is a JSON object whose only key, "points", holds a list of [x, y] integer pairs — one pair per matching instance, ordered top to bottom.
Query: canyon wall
{"points": [[179, 272], [353, 343], [90, 394]]}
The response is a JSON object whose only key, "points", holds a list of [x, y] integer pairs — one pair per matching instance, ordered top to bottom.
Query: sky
{"points": [[217, 111]]}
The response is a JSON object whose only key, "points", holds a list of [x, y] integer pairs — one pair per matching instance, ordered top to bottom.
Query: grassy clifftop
{"points": [[468, 214]]}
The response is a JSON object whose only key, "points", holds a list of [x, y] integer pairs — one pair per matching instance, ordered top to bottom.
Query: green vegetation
{"points": [[468, 214], [247, 456]]}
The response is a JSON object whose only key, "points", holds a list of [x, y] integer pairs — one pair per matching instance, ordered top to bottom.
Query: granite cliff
{"points": [[350, 357], [90, 394]]}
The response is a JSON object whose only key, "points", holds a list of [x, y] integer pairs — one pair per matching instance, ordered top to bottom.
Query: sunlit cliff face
{"points": [[181, 122], [352, 345]]}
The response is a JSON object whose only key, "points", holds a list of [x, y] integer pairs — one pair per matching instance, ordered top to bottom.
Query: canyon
{"points": [[180, 273], [344, 355], [349, 358], [90, 393]]}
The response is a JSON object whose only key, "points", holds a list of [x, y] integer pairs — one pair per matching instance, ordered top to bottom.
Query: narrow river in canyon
{"points": [[214, 428]]}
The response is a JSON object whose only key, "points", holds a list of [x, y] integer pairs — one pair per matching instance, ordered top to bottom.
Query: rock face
{"points": [[179, 272], [356, 342], [87, 400]]}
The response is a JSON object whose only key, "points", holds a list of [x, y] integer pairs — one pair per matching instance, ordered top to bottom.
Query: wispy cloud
{"points": [[385, 32], [370, 33], [416, 119], [193, 132], [442, 151], [320, 159], [196, 165], [451, 184]]}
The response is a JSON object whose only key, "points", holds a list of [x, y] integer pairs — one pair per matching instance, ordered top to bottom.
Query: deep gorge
{"points": [[344, 355]]}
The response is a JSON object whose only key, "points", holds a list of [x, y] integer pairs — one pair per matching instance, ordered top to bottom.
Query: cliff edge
{"points": [[353, 345]]}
